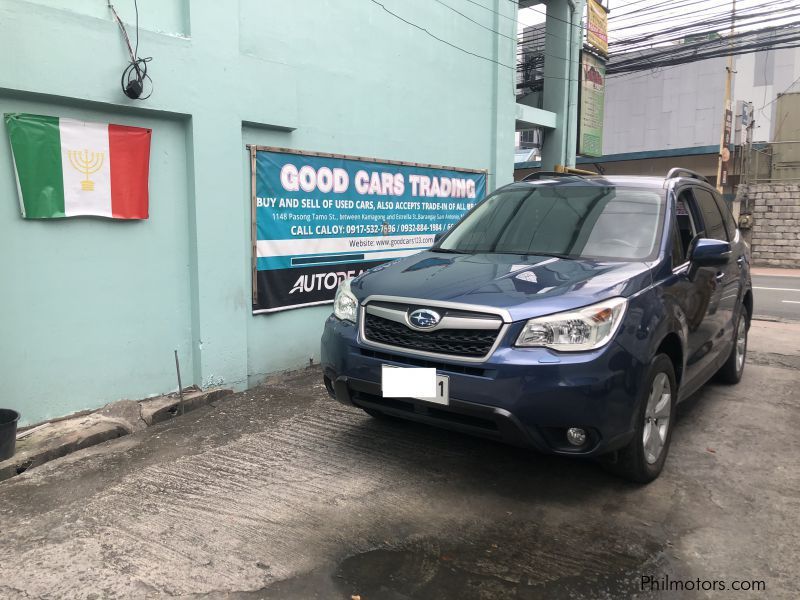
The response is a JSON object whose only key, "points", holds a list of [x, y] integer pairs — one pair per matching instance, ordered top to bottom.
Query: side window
{"points": [[727, 217], [686, 218], [712, 218], [677, 247]]}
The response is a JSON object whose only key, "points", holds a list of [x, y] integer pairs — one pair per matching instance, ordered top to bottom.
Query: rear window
{"points": [[580, 221]]}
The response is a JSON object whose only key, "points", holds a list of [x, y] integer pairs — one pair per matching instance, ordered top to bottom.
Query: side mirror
{"points": [[707, 252]]}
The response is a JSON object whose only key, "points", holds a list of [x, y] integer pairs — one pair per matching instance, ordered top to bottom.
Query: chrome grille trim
{"points": [[447, 322], [500, 325]]}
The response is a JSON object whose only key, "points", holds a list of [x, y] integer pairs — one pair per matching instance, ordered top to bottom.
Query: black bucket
{"points": [[8, 432]]}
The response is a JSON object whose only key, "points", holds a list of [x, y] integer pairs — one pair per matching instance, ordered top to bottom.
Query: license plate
{"points": [[442, 395]]}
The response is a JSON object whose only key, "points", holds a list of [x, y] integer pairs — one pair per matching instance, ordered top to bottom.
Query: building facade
{"points": [[677, 112], [672, 117], [93, 309]]}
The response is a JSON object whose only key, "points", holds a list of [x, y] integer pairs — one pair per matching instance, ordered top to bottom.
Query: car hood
{"points": [[526, 286]]}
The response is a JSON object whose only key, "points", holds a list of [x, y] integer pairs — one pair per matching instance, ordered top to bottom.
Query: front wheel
{"points": [[731, 371], [643, 458]]}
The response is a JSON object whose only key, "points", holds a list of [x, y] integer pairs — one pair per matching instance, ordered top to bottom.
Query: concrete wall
{"points": [[760, 77], [681, 106], [676, 107], [776, 224], [93, 309]]}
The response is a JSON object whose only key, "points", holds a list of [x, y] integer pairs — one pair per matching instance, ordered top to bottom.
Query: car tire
{"points": [[731, 371], [642, 460]]}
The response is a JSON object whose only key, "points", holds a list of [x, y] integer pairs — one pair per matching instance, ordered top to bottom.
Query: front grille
{"points": [[473, 343], [431, 364]]}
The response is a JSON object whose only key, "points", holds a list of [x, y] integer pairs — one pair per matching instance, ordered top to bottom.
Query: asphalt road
{"points": [[776, 297], [280, 493]]}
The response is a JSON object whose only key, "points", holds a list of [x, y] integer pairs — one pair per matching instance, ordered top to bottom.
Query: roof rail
{"points": [[679, 172], [549, 174]]}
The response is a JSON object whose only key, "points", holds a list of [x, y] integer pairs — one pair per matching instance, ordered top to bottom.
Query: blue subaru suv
{"points": [[569, 314]]}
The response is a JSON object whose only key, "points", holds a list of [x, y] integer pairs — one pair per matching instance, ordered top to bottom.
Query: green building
{"points": [[92, 309]]}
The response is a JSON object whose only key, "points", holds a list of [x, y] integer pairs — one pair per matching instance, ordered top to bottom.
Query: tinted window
{"points": [[686, 217], [727, 217], [712, 218], [582, 220], [677, 247]]}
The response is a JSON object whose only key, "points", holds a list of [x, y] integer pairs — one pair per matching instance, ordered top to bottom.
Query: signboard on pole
{"points": [[597, 26], [592, 105], [725, 153], [320, 218]]}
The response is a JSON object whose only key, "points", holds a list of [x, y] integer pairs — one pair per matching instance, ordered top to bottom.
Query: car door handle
{"points": [[740, 261]]}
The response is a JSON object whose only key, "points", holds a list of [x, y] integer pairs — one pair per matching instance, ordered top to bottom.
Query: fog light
{"points": [[576, 436]]}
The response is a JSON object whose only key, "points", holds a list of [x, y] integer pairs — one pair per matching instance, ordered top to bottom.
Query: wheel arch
{"points": [[747, 302], [672, 346]]}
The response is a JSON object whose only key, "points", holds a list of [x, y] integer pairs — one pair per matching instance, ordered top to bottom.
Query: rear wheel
{"points": [[731, 371], [643, 458]]}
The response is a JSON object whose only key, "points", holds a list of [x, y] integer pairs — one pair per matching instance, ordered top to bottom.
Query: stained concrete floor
{"points": [[282, 493]]}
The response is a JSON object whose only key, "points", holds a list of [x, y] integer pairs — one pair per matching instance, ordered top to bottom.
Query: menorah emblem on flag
{"points": [[86, 162], [71, 168]]}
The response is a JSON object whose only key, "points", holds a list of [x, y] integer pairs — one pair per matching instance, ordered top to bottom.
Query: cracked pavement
{"points": [[280, 492]]}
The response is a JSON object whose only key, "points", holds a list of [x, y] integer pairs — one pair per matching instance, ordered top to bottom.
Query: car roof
{"points": [[640, 181]]}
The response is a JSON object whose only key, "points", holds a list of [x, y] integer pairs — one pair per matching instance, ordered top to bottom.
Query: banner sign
{"points": [[597, 29], [592, 103], [725, 154], [318, 219]]}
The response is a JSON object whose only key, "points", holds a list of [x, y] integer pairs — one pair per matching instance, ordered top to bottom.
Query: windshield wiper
{"points": [[448, 251], [548, 254], [553, 255]]}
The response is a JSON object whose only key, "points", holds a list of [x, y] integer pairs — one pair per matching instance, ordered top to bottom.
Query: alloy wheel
{"points": [[741, 343], [657, 417]]}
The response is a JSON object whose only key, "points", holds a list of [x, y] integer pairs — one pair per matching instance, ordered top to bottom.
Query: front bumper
{"points": [[526, 397]]}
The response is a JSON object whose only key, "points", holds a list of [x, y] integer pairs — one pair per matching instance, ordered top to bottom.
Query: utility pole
{"points": [[727, 113]]}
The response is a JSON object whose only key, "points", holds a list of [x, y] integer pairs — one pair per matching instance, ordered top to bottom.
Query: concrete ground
{"points": [[282, 493]]}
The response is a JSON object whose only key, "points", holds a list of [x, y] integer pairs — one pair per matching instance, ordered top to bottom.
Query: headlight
{"points": [[345, 303], [583, 329]]}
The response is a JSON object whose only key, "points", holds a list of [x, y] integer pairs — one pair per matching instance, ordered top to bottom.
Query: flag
{"points": [[69, 168]]}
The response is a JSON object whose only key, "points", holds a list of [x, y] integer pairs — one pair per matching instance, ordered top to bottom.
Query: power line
{"points": [[491, 10], [424, 30], [681, 32], [782, 36], [508, 37], [778, 94]]}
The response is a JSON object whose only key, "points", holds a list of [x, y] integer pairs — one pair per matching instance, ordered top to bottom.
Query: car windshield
{"points": [[572, 221]]}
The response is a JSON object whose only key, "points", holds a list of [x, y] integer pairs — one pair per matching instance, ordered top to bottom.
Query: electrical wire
{"points": [[694, 19], [508, 37], [765, 38], [442, 40], [137, 67], [779, 94]]}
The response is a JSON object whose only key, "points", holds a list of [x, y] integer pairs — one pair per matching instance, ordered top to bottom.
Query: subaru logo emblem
{"points": [[424, 318]]}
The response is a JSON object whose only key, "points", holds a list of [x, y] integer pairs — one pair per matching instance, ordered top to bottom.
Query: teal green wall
{"points": [[92, 309]]}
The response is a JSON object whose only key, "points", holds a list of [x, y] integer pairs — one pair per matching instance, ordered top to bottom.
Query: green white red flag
{"points": [[69, 168]]}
